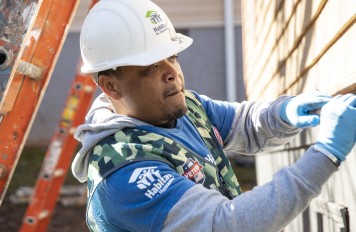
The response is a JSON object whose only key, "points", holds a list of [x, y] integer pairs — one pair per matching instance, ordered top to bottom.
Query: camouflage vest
{"points": [[134, 145]]}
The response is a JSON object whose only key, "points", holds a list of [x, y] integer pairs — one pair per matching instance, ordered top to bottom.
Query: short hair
{"points": [[117, 73]]}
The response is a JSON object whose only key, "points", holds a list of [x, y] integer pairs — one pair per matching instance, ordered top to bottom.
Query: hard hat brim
{"points": [[154, 55]]}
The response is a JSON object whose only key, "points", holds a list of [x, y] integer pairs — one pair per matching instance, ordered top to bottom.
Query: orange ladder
{"points": [[28, 79], [27, 82], [59, 154]]}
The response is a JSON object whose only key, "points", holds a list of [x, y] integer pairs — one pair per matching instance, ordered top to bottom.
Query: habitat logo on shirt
{"points": [[151, 179]]}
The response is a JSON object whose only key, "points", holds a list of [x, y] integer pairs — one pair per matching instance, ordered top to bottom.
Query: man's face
{"points": [[154, 93]]}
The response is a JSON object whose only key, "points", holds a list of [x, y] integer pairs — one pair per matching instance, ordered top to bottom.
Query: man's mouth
{"points": [[173, 92]]}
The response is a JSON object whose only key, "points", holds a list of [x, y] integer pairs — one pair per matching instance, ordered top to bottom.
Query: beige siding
{"points": [[182, 13], [294, 46], [289, 47]]}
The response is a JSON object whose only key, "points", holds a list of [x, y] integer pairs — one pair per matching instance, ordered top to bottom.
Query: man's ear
{"points": [[110, 86]]}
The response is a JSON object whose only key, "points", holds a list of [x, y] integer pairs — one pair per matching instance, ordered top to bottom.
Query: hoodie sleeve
{"points": [[249, 127], [258, 127], [269, 207]]}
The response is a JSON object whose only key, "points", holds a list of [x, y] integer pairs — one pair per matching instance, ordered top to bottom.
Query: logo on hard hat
{"points": [[154, 16], [156, 19]]}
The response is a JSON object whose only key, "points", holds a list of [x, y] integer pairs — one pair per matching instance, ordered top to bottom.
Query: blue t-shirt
{"points": [[139, 196]]}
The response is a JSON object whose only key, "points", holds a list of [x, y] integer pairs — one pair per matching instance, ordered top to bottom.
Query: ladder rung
{"points": [[29, 69], [89, 88], [72, 130], [3, 171], [59, 172], [43, 214], [30, 220], [34, 220]]}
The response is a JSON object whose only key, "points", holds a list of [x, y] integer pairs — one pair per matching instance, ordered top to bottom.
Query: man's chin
{"points": [[177, 113], [171, 119]]}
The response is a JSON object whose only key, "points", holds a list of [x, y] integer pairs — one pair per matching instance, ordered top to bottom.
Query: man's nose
{"points": [[170, 72]]}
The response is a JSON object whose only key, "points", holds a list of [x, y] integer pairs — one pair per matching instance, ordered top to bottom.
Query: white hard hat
{"points": [[127, 32]]}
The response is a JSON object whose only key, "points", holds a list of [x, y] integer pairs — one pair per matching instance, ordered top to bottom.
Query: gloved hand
{"points": [[297, 111], [338, 126]]}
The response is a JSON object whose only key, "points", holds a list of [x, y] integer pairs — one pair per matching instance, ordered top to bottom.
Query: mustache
{"points": [[173, 90]]}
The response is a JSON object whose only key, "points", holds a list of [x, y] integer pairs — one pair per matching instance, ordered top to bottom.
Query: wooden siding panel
{"points": [[300, 39], [309, 44]]}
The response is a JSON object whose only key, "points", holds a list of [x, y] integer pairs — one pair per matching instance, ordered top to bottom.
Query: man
{"points": [[154, 153]]}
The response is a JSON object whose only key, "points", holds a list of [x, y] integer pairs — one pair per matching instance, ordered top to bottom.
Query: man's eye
{"points": [[173, 58], [152, 67]]}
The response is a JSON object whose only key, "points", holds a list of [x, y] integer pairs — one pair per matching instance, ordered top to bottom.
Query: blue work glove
{"points": [[299, 111], [337, 132]]}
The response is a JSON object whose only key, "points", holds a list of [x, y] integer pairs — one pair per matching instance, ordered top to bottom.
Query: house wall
{"points": [[295, 46]]}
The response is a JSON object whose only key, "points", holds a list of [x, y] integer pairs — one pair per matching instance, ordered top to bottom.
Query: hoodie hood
{"points": [[100, 122]]}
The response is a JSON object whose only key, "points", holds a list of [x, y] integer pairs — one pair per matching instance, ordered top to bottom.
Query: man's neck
{"points": [[169, 124]]}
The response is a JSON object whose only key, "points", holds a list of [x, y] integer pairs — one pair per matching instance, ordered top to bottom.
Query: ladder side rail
{"points": [[41, 48], [59, 153], [58, 156]]}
